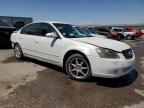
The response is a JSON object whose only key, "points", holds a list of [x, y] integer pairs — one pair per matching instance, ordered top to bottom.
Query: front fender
{"points": [[85, 51]]}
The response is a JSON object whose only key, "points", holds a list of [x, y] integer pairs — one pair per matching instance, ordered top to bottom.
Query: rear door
{"points": [[27, 36]]}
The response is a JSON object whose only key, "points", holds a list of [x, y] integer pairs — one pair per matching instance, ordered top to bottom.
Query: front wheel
{"points": [[18, 51], [78, 67]]}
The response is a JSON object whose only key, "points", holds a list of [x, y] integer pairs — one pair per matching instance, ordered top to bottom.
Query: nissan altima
{"points": [[80, 55]]}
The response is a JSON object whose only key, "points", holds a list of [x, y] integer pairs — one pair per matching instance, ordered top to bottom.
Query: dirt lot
{"points": [[34, 84]]}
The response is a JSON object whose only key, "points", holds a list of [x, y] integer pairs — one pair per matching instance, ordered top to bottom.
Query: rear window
{"points": [[32, 29]]}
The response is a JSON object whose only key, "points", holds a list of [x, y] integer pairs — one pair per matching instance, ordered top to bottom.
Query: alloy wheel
{"points": [[18, 52], [78, 67]]}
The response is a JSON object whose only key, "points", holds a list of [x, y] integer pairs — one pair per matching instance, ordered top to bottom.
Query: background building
{"points": [[17, 22]]}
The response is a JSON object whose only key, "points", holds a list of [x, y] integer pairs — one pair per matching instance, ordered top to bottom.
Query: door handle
{"points": [[36, 42]]}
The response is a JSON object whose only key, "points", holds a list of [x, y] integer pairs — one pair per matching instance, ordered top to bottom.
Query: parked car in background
{"points": [[17, 22], [18, 25], [92, 30], [103, 31], [123, 32], [142, 32], [5, 33], [93, 33], [108, 33], [138, 33], [116, 36], [80, 55]]}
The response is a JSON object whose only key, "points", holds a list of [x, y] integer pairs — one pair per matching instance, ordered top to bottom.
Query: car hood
{"points": [[98, 36], [105, 43]]}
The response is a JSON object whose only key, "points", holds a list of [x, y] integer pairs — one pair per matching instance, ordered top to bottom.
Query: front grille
{"points": [[128, 54]]}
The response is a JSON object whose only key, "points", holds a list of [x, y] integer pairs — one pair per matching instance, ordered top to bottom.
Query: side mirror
{"points": [[51, 35]]}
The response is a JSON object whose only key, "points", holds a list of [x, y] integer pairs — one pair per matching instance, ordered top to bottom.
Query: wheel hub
{"points": [[18, 52], [78, 67]]}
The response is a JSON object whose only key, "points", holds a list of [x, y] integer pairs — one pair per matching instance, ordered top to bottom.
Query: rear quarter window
{"points": [[32, 29]]}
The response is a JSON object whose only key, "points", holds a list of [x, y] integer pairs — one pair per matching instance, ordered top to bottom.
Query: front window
{"points": [[46, 28], [70, 31]]}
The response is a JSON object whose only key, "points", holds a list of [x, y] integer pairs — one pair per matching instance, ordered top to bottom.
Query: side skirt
{"points": [[43, 59]]}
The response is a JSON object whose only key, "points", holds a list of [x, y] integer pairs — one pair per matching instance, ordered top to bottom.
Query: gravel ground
{"points": [[33, 84]]}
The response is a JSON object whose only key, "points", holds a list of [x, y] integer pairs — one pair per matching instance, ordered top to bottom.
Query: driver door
{"points": [[45, 47]]}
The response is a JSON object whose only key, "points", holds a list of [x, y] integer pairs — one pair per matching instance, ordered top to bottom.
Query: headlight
{"points": [[107, 53]]}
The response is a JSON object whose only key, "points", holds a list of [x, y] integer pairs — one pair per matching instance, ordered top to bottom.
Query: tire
{"points": [[119, 37], [129, 37], [133, 37], [18, 52], [78, 67]]}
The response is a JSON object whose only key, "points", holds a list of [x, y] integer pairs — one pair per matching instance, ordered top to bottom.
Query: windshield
{"points": [[70, 31], [89, 32]]}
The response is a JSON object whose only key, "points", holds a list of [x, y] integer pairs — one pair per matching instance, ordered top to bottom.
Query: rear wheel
{"points": [[119, 37], [129, 37], [133, 37], [18, 51], [78, 67]]}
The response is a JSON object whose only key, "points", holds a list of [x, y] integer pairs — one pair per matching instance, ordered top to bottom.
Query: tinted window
{"points": [[46, 28], [32, 29], [65, 29], [86, 30], [70, 31], [80, 31]]}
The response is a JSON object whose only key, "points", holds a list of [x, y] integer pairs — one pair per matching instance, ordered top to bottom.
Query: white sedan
{"points": [[79, 54]]}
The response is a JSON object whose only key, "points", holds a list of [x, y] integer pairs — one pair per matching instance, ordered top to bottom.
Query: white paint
{"points": [[53, 51]]}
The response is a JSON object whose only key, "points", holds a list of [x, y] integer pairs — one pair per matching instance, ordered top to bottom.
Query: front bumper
{"points": [[110, 68]]}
